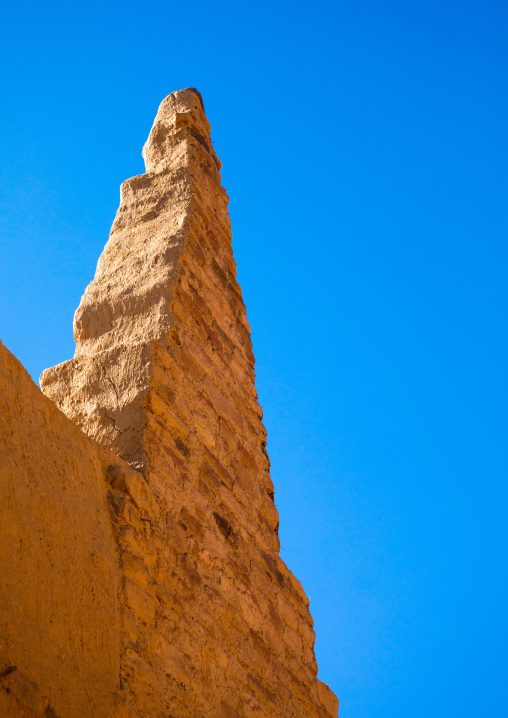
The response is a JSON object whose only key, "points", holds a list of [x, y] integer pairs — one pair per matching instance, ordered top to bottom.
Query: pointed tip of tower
{"points": [[198, 93], [178, 109]]}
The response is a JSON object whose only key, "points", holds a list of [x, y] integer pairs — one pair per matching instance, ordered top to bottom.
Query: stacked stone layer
{"points": [[213, 622]]}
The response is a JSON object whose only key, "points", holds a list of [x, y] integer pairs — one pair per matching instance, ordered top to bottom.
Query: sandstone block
{"points": [[134, 485], [134, 568], [141, 603], [328, 699]]}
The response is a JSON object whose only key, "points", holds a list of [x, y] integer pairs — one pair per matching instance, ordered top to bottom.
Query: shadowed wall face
{"points": [[163, 375], [60, 578]]}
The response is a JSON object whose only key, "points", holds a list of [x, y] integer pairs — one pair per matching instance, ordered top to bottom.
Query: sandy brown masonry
{"points": [[200, 616]]}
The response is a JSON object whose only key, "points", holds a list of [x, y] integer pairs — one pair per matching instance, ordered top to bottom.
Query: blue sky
{"points": [[364, 148]]}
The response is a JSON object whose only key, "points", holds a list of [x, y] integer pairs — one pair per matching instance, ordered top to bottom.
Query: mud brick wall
{"points": [[213, 622], [60, 635]]}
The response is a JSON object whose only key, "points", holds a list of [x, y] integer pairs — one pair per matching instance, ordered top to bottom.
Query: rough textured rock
{"points": [[212, 622]]}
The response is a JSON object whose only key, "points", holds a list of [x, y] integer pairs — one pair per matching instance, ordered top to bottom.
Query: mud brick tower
{"points": [[209, 620]]}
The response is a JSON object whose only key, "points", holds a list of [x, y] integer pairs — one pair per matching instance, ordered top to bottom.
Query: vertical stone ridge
{"points": [[127, 307], [163, 375]]}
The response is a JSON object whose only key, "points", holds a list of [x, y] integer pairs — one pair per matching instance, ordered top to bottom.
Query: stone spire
{"points": [[163, 375]]}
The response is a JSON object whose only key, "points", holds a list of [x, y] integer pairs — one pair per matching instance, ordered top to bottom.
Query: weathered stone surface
{"points": [[60, 578], [211, 621]]}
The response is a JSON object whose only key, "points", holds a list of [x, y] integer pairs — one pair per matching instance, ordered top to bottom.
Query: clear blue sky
{"points": [[364, 147]]}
